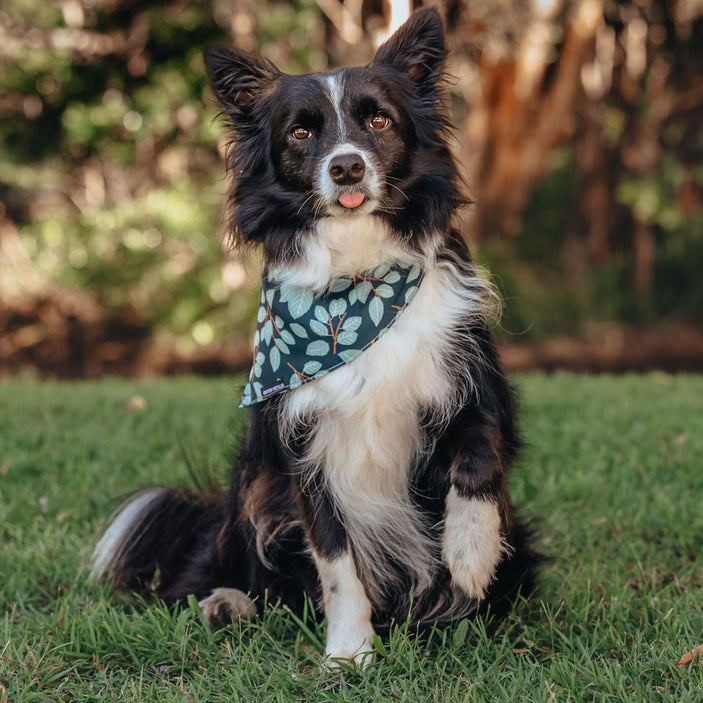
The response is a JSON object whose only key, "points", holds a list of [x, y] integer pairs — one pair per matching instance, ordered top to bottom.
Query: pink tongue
{"points": [[351, 200]]}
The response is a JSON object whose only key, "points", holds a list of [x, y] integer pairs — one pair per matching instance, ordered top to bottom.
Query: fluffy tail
{"points": [[150, 539]]}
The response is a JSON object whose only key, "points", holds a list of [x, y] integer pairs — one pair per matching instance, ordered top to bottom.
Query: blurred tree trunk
{"points": [[621, 85], [649, 88], [522, 102], [596, 207]]}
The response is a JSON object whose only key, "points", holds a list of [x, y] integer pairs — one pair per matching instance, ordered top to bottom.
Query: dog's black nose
{"points": [[346, 169]]}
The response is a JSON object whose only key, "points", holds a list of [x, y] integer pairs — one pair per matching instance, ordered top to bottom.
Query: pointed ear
{"points": [[417, 48], [238, 78]]}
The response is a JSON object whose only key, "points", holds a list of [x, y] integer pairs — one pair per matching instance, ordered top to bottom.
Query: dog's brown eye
{"points": [[379, 122], [302, 133]]}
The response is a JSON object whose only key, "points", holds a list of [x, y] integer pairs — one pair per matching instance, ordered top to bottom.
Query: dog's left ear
{"points": [[417, 48], [239, 79]]}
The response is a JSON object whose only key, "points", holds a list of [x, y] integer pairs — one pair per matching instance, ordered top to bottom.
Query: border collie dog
{"points": [[373, 473]]}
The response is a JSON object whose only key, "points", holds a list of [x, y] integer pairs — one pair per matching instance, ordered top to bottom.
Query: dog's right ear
{"points": [[417, 48], [239, 79]]}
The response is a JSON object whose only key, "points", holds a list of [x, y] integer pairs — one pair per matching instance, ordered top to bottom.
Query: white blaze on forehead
{"points": [[334, 88]]}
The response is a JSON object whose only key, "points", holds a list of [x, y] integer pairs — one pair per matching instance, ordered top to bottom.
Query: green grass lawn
{"points": [[613, 475]]}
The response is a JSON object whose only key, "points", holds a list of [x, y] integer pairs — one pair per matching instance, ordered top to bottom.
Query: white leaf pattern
{"points": [[391, 277], [341, 284], [363, 288], [385, 291], [299, 301], [338, 307], [376, 310], [321, 314], [352, 323], [319, 329], [267, 331], [298, 331], [347, 337], [318, 348], [347, 355], [275, 359], [312, 367]]}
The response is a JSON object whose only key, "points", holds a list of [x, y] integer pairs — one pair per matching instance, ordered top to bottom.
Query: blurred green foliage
{"points": [[109, 163], [112, 177], [550, 284]]}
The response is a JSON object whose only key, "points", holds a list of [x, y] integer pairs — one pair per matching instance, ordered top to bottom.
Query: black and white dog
{"points": [[378, 488]]}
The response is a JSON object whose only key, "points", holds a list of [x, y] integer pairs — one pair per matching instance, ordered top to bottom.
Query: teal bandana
{"points": [[301, 337]]}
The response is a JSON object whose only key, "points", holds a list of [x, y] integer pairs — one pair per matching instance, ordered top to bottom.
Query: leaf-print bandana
{"points": [[301, 337]]}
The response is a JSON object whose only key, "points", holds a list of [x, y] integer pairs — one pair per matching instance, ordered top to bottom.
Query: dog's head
{"points": [[340, 144]]}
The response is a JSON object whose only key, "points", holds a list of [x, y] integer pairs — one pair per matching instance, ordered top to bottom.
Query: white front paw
{"points": [[349, 630], [349, 645]]}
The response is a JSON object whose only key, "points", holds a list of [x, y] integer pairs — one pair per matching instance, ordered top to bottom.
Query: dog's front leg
{"points": [[477, 507], [347, 607]]}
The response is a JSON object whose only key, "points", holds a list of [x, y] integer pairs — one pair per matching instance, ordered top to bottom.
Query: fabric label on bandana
{"points": [[301, 337]]}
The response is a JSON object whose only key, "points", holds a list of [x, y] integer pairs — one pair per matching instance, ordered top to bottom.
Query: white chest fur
{"points": [[364, 420]]}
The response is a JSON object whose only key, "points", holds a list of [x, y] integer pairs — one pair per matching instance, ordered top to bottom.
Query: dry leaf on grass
{"points": [[137, 403], [687, 658]]}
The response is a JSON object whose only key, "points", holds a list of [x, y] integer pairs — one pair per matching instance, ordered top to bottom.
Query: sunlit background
{"points": [[577, 123]]}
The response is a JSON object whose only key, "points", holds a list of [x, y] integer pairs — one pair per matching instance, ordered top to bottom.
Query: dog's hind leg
{"points": [[226, 605], [347, 607]]}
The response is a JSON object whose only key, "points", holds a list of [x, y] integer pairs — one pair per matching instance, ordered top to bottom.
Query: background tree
{"points": [[577, 122]]}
